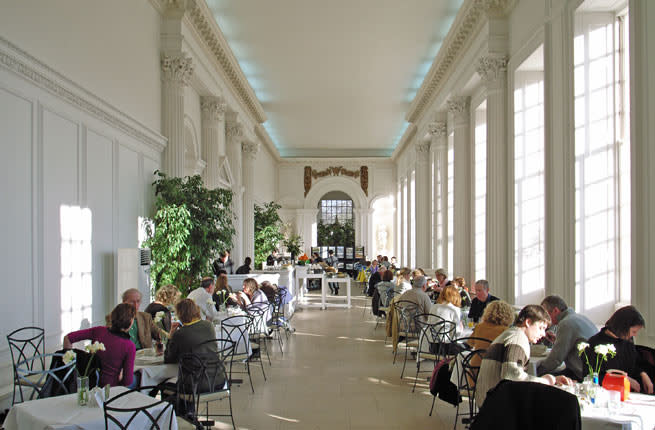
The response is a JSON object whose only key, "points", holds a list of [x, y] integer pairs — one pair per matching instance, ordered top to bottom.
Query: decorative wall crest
{"points": [[177, 68], [310, 173]]}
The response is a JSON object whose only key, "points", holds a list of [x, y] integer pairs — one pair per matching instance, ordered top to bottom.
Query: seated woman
{"points": [[402, 281], [460, 283], [386, 287], [222, 292], [165, 298], [448, 309], [497, 317], [619, 330], [189, 333], [119, 353]]}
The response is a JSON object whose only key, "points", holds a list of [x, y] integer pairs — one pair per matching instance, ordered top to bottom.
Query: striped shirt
{"points": [[506, 358]]}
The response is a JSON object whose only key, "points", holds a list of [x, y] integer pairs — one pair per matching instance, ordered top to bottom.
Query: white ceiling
{"points": [[335, 77]]}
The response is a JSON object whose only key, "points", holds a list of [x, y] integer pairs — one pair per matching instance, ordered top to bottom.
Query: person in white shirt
{"points": [[202, 296], [448, 309]]}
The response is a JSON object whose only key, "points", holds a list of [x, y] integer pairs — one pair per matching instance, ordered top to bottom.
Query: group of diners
{"points": [[186, 323], [509, 334]]}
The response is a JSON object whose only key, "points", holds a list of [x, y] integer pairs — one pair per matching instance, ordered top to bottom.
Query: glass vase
{"points": [[591, 386], [82, 390]]}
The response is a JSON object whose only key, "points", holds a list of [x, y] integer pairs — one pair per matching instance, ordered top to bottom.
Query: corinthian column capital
{"points": [[176, 68], [492, 68], [213, 108], [437, 129], [234, 130], [422, 148], [250, 149]]}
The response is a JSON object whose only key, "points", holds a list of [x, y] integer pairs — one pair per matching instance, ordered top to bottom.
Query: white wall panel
{"points": [[16, 123], [265, 174], [60, 187], [130, 192], [99, 198]]}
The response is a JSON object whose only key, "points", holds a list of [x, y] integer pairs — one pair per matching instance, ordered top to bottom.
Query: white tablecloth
{"points": [[153, 370], [63, 412], [636, 413]]}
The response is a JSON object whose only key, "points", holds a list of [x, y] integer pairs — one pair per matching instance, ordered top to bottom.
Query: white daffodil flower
{"points": [[582, 346], [69, 356]]}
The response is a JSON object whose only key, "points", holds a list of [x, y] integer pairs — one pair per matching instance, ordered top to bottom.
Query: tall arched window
{"points": [[335, 220]]}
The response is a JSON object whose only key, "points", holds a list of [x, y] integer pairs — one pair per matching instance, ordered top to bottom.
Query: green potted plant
{"points": [[293, 244]]}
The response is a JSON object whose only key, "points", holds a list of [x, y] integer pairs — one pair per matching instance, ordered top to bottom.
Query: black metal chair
{"points": [[383, 306], [405, 311], [278, 321], [236, 328], [258, 331], [434, 340], [25, 343], [467, 366], [204, 378], [59, 379], [156, 414]]}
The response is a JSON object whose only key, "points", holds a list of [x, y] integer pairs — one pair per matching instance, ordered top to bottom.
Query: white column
{"points": [[176, 71], [493, 71], [460, 108], [234, 132], [642, 137], [213, 138], [439, 145], [249, 150], [559, 154], [402, 209], [308, 220], [422, 224], [370, 236]]}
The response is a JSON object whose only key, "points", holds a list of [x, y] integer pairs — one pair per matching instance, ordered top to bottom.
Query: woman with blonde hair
{"points": [[402, 280], [460, 283], [165, 298], [447, 309], [497, 317]]}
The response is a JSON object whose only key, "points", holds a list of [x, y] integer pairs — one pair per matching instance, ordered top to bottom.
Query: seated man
{"points": [[203, 296], [418, 296], [481, 300], [571, 329], [143, 331], [192, 332], [508, 355]]}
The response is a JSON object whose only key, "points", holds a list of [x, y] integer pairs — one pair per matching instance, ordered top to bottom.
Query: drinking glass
{"points": [[614, 402]]}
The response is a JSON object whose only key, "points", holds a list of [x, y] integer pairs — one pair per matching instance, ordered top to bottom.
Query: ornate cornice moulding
{"points": [[471, 17], [206, 27], [28, 67]]}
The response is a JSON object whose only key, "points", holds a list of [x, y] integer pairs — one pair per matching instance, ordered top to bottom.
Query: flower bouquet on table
{"points": [[302, 260], [602, 353], [83, 381]]}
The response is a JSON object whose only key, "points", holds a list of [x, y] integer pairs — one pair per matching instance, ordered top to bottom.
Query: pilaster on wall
{"points": [[493, 71], [176, 72], [460, 108], [235, 134], [642, 134], [213, 139], [439, 145], [250, 150], [559, 155], [422, 224]]}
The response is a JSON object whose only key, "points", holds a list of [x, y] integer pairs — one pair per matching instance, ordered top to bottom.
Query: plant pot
{"points": [[82, 390]]}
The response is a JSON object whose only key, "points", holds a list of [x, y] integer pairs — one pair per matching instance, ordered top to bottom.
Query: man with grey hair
{"points": [[418, 296], [481, 300], [572, 328], [143, 331]]}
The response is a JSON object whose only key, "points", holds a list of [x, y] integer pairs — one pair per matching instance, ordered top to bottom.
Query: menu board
{"points": [[332, 248], [316, 249], [324, 250], [340, 252], [359, 252], [349, 253], [349, 266]]}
